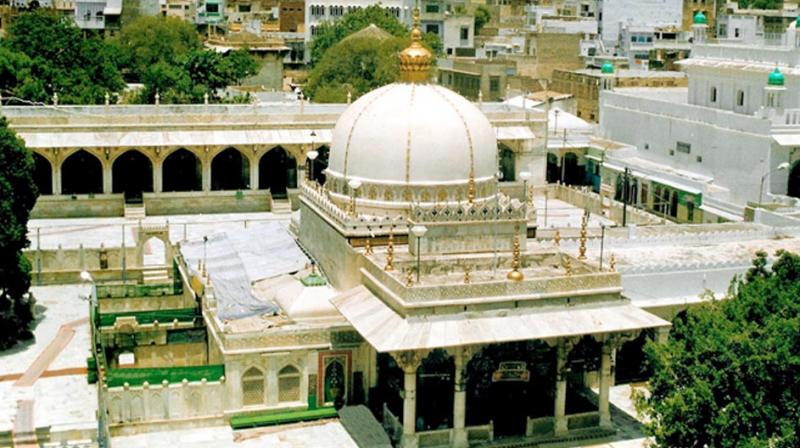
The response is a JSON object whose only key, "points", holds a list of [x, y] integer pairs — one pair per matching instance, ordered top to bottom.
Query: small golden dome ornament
{"points": [[415, 60], [515, 275]]}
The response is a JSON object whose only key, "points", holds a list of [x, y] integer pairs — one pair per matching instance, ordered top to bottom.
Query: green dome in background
{"points": [[700, 18], [607, 68], [775, 78]]}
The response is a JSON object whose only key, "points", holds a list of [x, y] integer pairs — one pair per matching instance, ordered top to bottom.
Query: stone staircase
{"points": [[281, 206], [134, 211], [155, 275]]}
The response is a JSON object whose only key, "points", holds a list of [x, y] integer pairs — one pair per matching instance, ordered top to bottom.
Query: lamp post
{"points": [[312, 155], [781, 167], [354, 184], [625, 188], [419, 231], [602, 241]]}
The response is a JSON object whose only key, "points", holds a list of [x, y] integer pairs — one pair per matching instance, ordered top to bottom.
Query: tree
{"points": [[482, 17], [330, 33], [148, 40], [48, 54], [357, 65], [195, 75], [17, 196], [729, 374]]}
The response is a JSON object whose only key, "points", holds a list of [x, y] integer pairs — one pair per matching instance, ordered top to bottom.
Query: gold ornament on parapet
{"points": [[557, 238], [368, 247], [582, 248], [390, 251], [612, 263], [567, 266], [515, 274], [466, 275]]}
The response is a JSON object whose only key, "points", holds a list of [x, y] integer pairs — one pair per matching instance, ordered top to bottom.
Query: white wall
{"points": [[638, 12], [735, 149]]}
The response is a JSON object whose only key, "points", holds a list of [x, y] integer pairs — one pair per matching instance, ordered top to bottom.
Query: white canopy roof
{"points": [[174, 138], [387, 331]]}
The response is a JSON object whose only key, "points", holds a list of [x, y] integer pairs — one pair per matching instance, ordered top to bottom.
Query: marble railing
{"points": [[360, 224], [165, 401]]}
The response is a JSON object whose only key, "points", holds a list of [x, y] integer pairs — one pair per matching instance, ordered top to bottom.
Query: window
{"points": [[212, 8], [244, 8], [432, 8], [432, 28], [736, 32], [464, 33], [494, 83], [713, 94], [740, 98], [646, 146], [683, 147], [699, 159], [288, 384], [252, 387]]}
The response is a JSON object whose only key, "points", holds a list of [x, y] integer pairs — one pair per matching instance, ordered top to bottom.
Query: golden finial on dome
{"points": [[415, 60]]}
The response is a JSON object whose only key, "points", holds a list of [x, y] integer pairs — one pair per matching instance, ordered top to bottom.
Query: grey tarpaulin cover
{"points": [[236, 260]]}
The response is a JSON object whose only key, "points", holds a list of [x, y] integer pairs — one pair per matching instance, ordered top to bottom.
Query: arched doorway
{"points": [[320, 164], [507, 164], [230, 170], [553, 170], [182, 171], [277, 171], [81, 173], [573, 173], [42, 174], [132, 174], [794, 181], [155, 252], [631, 361], [335, 381], [507, 383], [389, 388], [435, 389]]}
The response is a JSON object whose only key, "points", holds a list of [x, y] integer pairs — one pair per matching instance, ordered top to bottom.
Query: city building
{"points": [[709, 8], [618, 14], [99, 15], [476, 78], [586, 84], [727, 140]]}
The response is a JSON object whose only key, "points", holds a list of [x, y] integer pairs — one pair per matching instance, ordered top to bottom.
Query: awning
{"points": [[113, 8], [515, 133], [173, 138], [787, 139], [657, 179], [721, 213], [387, 331]]}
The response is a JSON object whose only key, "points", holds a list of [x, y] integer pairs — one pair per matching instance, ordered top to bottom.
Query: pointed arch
{"points": [[507, 163], [230, 170], [182, 171], [277, 172], [81, 173], [132, 173], [42, 174], [288, 384], [253, 387]]}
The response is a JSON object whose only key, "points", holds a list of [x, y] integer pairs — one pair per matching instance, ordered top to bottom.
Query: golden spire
{"points": [[415, 61], [582, 248], [390, 251], [515, 274]]}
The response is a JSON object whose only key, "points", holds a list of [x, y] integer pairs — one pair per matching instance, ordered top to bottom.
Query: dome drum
{"points": [[379, 197]]}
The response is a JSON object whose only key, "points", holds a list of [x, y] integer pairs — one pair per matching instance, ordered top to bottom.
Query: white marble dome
{"points": [[413, 136]]}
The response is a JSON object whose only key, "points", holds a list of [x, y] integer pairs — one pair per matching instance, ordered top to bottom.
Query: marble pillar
{"points": [[206, 167], [254, 173], [158, 176], [108, 182], [409, 361], [605, 384], [560, 418], [460, 439]]}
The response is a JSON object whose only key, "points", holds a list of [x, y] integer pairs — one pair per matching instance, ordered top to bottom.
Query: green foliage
{"points": [[761, 4], [482, 17], [331, 33], [149, 40], [45, 53], [358, 65], [196, 74], [17, 196], [729, 374]]}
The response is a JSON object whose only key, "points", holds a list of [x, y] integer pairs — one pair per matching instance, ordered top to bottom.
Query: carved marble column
{"points": [[206, 170], [254, 173], [158, 176], [108, 181], [562, 355], [461, 356], [409, 361], [605, 383]]}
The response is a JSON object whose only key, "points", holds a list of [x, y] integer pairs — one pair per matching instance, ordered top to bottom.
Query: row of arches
{"points": [[182, 170], [254, 386]]}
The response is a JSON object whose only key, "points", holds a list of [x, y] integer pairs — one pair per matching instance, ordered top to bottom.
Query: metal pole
{"points": [[761, 190], [625, 198], [545, 207], [418, 238], [602, 240], [124, 272]]}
